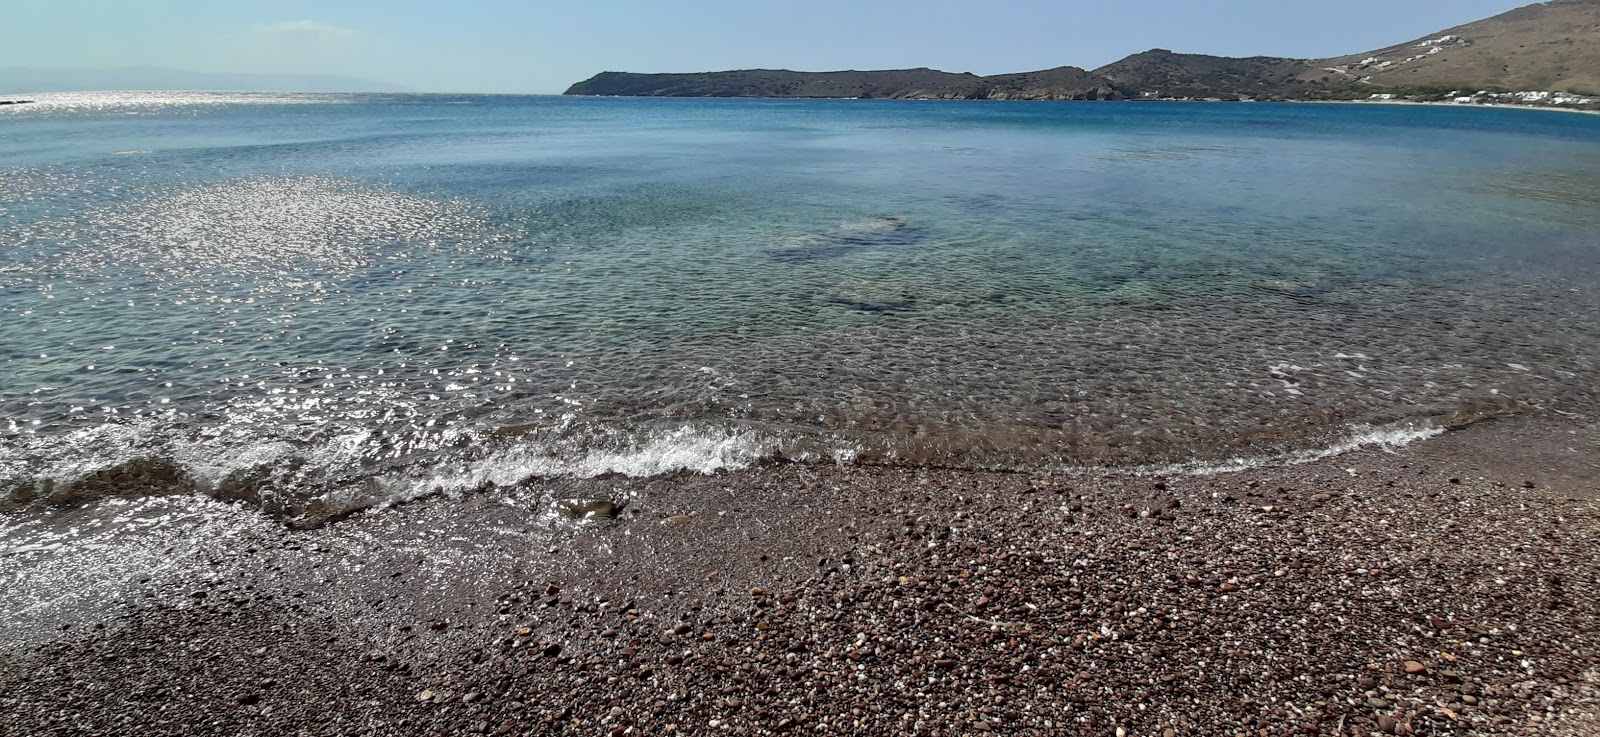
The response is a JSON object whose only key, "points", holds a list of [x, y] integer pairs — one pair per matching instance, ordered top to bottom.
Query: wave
{"points": [[312, 485]]}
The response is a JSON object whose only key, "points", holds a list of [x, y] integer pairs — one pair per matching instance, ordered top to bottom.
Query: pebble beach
{"points": [[1445, 588]]}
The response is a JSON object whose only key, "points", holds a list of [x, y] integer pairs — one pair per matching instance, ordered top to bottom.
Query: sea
{"points": [[312, 305]]}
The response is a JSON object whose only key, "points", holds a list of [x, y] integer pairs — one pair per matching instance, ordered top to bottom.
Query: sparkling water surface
{"points": [[318, 302]]}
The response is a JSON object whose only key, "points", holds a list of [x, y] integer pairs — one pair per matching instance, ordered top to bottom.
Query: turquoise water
{"points": [[356, 298]]}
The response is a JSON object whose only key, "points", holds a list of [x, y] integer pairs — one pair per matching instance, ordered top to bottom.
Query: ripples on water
{"points": [[318, 303]]}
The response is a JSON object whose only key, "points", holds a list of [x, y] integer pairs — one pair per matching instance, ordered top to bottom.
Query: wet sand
{"points": [[1446, 588]]}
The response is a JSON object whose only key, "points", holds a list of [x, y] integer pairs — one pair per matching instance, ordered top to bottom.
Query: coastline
{"points": [[1499, 106], [1436, 589]]}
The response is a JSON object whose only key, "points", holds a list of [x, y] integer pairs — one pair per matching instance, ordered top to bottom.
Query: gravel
{"points": [[1426, 592]]}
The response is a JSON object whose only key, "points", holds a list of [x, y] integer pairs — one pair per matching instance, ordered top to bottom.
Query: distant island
{"points": [[1541, 54], [17, 81]]}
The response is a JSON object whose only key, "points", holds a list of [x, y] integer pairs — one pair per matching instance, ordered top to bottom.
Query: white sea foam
{"points": [[1387, 437], [686, 449]]}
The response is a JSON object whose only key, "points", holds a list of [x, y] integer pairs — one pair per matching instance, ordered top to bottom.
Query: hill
{"points": [[1545, 46], [1551, 46], [1162, 73], [768, 83], [1063, 83]]}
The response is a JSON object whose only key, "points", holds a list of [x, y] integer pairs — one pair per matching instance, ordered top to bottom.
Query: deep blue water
{"points": [[360, 297]]}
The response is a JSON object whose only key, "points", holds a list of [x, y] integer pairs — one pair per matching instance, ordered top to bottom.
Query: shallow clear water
{"points": [[318, 302]]}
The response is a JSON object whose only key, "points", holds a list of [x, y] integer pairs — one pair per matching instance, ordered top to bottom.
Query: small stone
{"points": [[1322, 497], [588, 509], [678, 520], [1230, 587], [758, 591], [682, 629], [524, 631], [709, 636], [1415, 668], [426, 696], [471, 697], [1469, 699], [1377, 703], [1387, 723], [1169, 732]]}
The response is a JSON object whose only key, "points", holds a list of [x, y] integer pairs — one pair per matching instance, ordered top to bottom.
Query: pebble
{"points": [[588, 509], [1415, 668]]}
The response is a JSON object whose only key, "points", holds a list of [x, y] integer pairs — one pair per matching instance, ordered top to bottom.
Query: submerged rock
{"points": [[848, 237]]}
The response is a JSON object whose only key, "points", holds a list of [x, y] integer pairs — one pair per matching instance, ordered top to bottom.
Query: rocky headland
{"points": [[1549, 48]]}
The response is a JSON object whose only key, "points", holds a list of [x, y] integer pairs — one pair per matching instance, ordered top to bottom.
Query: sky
{"points": [[542, 46]]}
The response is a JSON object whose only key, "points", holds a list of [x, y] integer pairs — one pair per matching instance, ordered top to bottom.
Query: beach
{"points": [[476, 414], [1442, 588]]}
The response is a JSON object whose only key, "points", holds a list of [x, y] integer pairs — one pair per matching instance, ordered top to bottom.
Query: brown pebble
{"points": [[1230, 586], [1415, 668], [1387, 723]]}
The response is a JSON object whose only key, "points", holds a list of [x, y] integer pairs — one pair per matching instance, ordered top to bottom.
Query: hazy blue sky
{"points": [[541, 46]]}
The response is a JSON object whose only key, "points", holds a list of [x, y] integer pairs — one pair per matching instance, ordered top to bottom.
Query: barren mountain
{"points": [[1544, 46]]}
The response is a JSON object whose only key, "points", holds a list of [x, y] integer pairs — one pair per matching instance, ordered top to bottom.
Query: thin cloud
{"points": [[308, 32]]}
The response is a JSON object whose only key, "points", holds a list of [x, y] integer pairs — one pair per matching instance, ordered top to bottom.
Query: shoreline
{"points": [[1496, 105], [820, 600]]}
